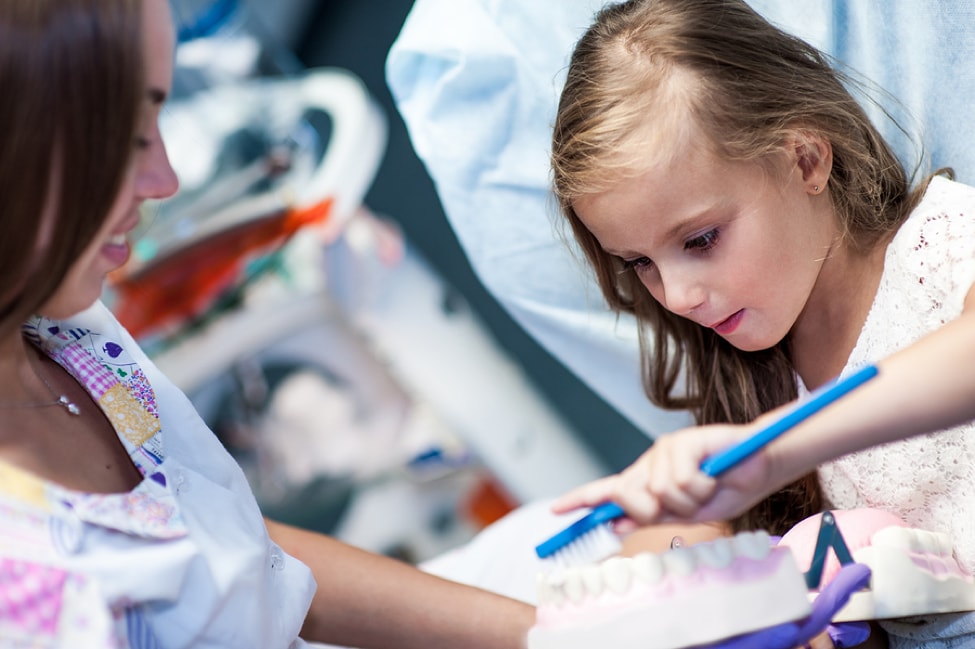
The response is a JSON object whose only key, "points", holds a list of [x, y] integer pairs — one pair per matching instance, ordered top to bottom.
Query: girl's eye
{"points": [[142, 142], [703, 242], [640, 264]]}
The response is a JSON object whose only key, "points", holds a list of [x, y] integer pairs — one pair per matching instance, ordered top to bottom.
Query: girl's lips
{"points": [[728, 325]]}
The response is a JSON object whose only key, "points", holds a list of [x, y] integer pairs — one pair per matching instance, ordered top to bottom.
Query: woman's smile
{"points": [[116, 250]]}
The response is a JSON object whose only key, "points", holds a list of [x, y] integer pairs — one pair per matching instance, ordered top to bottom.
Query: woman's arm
{"points": [[368, 600]]}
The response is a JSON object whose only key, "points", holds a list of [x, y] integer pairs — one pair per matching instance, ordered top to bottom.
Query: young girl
{"points": [[730, 192], [123, 522]]}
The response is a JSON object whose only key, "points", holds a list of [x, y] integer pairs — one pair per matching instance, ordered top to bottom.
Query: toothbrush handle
{"points": [[727, 459]]}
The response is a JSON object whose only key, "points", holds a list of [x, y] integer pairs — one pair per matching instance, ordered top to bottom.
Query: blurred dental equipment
{"points": [[361, 394]]}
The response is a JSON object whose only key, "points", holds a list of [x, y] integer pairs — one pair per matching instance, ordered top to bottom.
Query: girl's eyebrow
{"points": [[690, 222], [676, 231]]}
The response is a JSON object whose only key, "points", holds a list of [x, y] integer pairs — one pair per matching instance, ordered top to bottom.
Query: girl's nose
{"points": [[681, 293]]}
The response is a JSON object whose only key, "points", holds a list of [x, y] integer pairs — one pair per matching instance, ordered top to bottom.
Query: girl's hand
{"points": [[666, 484]]}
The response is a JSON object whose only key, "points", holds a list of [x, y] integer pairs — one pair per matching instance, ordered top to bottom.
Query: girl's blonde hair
{"points": [[641, 70]]}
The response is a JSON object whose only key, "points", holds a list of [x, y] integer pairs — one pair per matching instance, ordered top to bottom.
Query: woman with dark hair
{"points": [[124, 523]]}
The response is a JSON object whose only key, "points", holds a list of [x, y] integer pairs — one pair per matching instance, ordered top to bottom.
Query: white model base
{"points": [[913, 572], [692, 603]]}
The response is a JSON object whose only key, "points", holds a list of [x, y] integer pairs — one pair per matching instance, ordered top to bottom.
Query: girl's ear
{"points": [[814, 157]]}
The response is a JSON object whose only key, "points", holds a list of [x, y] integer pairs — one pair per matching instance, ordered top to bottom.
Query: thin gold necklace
{"points": [[60, 399]]}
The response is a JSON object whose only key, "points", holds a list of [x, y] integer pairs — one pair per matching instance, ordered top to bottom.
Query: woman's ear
{"points": [[814, 157]]}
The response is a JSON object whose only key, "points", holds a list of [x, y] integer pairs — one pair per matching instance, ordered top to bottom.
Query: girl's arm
{"points": [[925, 387], [367, 600]]}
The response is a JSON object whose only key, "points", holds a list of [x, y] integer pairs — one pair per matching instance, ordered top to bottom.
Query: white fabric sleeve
{"points": [[477, 83]]}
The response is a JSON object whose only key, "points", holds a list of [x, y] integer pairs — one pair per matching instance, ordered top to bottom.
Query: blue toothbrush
{"points": [[591, 538]]}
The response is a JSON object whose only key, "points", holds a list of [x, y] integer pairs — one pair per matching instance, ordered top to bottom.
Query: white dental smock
{"points": [[183, 560]]}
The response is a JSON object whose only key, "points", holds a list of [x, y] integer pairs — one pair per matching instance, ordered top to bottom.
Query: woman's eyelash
{"points": [[703, 242]]}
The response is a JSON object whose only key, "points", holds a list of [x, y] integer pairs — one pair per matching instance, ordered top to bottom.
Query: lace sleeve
{"points": [[929, 269]]}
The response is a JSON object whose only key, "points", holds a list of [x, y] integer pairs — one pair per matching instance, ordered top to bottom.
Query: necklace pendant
{"points": [[69, 405]]}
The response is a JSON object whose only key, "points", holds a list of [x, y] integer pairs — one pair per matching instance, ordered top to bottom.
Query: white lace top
{"points": [[928, 480]]}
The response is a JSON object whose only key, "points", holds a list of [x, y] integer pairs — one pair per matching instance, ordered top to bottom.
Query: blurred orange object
{"points": [[182, 285], [488, 502]]}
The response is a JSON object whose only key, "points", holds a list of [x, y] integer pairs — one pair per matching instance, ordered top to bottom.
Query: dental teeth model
{"points": [[913, 571], [713, 591], [680, 598]]}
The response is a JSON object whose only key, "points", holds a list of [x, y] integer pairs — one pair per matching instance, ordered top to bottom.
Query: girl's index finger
{"points": [[588, 495]]}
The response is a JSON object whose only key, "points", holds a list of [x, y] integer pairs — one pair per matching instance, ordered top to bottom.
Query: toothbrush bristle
{"points": [[597, 544]]}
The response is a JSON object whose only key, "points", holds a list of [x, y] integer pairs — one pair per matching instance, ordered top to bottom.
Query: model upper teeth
{"points": [[117, 240], [913, 540], [754, 545], [717, 554], [680, 561], [646, 567], [616, 574], [619, 574]]}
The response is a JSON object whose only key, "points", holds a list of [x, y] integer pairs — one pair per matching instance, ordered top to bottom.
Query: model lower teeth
{"points": [[617, 574]]}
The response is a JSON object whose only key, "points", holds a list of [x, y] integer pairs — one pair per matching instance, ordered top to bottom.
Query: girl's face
{"points": [[149, 176], [724, 244]]}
